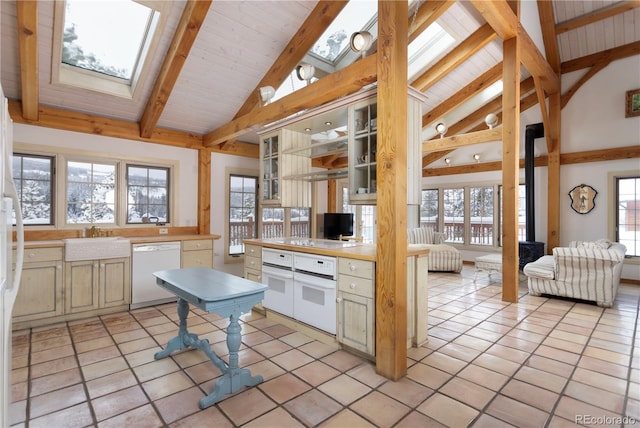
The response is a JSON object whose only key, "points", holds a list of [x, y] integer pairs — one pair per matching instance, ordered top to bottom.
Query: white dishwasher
{"points": [[147, 259]]}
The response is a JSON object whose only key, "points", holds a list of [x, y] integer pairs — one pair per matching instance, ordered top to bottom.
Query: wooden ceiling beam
{"points": [[427, 14], [193, 15], [595, 16], [504, 21], [27, 22], [307, 35], [549, 36], [472, 44], [606, 55], [343, 82], [481, 83], [564, 100], [67, 120], [462, 140]]}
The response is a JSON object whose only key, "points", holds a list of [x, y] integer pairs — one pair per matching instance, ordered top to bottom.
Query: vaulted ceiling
{"points": [[201, 90]]}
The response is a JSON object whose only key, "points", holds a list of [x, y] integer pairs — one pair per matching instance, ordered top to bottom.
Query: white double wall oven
{"points": [[301, 286]]}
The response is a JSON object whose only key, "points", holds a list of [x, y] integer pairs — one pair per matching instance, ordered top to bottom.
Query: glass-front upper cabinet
{"points": [[363, 118], [270, 174]]}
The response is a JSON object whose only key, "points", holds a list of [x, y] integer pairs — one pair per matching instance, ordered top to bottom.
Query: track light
{"points": [[361, 41], [305, 72], [266, 93], [491, 120], [441, 128], [476, 157], [447, 161]]}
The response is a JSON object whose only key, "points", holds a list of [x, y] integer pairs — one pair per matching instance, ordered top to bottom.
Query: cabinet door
{"points": [[363, 148], [270, 176], [202, 258], [253, 275], [115, 282], [81, 286], [40, 293], [356, 323]]}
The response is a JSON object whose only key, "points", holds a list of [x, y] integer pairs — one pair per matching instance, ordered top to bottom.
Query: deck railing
{"points": [[240, 230]]}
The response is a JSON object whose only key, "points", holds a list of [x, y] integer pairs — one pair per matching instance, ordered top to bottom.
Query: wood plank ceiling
{"points": [[202, 91]]}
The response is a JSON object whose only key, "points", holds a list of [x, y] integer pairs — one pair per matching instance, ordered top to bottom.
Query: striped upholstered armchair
{"points": [[442, 257], [584, 270]]}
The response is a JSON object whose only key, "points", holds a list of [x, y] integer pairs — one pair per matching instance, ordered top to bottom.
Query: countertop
{"points": [[133, 239], [351, 249]]}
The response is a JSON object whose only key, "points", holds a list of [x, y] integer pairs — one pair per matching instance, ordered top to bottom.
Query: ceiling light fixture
{"points": [[361, 41], [305, 72], [266, 93], [491, 120], [328, 123], [441, 128], [307, 129], [476, 157], [447, 161]]}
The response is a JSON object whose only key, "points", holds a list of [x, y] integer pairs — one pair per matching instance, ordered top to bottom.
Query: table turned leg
{"points": [[185, 340], [235, 378]]}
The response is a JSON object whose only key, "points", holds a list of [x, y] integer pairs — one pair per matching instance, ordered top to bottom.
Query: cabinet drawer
{"points": [[199, 244], [253, 251], [40, 254], [203, 258], [252, 263], [360, 268], [353, 284]]}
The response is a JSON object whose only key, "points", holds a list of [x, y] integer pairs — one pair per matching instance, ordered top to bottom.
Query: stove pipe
{"points": [[531, 132]]}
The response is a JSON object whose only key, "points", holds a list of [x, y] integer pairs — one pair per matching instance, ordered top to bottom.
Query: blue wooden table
{"points": [[220, 293]]}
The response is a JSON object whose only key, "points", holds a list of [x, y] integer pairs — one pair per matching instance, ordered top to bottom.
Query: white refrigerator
{"points": [[9, 278]]}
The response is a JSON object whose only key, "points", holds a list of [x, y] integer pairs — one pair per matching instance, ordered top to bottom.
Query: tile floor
{"points": [[541, 362]]}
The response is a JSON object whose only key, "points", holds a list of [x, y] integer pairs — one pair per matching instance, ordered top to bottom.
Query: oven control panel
{"points": [[277, 258], [316, 264]]}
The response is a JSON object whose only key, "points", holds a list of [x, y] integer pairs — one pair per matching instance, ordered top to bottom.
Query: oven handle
{"points": [[282, 273], [314, 282]]}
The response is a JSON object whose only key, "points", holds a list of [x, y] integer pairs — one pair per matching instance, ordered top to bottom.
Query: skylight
{"points": [[355, 16], [105, 36], [105, 45], [427, 47]]}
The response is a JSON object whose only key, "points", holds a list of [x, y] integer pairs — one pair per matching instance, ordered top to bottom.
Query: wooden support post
{"points": [[510, 168], [553, 173], [204, 191], [391, 269]]}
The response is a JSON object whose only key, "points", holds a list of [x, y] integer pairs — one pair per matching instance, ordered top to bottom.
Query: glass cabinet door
{"points": [[362, 157], [270, 177]]}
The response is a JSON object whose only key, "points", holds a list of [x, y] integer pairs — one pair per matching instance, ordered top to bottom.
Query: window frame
{"points": [[253, 173], [52, 185], [127, 185], [362, 214], [612, 215]]}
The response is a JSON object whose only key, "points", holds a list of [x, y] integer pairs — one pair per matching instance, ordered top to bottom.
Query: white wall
{"points": [[187, 172]]}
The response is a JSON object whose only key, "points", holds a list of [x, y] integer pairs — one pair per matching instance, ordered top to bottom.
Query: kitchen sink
{"points": [[96, 248]]}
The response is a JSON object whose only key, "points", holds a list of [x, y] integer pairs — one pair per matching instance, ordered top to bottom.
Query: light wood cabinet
{"points": [[284, 163], [197, 253], [253, 263], [97, 284], [41, 288], [356, 304]]}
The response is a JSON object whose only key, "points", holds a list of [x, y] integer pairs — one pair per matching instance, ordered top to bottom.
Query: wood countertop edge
{"points": [[134, 240], [360, 252]]}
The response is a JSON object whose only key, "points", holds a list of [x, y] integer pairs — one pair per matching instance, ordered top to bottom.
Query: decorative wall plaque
{"points": [[583, 198]]}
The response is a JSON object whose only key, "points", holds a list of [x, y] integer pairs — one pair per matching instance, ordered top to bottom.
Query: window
{"points": [[104, 46], [34, 177], [91, 192], [147, 194], [429, 209], [242, 211], [628, 213], [453, 215], [364, 217], [481, 218], [301, 222], [273, 223]]}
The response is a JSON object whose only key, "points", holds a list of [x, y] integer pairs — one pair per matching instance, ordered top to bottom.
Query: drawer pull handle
{"points": [[32, 255], [352, 268], [352, 286], [339, 299]]}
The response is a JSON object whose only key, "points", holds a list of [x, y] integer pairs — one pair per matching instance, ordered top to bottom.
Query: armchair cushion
{"points": [[442, 257], [544, 268]]}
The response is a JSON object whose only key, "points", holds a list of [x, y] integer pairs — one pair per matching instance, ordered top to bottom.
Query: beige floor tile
{"points": [[296, 339], [90, 345], [271, 348], [317, 349], [97, 355], [292, 359], [342, 360], [496, 364], [53, 366], [550, 366], [604, 367], [103, 368], [266, 369], [316, 373], [366, 373], [427, 376], [485, 377], [541, 378], [58, 380], [599, 380], [110, 383], [167, 385], [283, 388], [344, 389], [406, 391], [468, 393], [530, 394], [596, 396], [57, 400], [118, 402], [180, 405], [312, 407], [380, 409], [237, 410], [448, 411], [580, 412], [516, 413], [74, 416], [141, 417], [277, 418], [345, 418], [416, 419], [488, 421]]}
